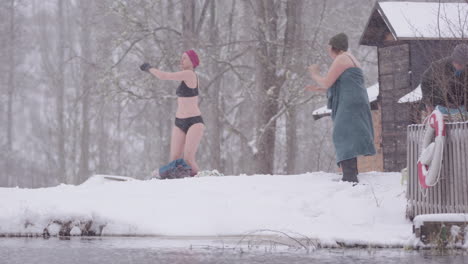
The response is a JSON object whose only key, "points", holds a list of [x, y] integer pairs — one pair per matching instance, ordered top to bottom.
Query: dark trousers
{"points": [[350, 170]]}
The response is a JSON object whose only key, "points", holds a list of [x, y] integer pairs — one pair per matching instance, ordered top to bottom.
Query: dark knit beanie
{"points": [[339, 41], [460, 54]]}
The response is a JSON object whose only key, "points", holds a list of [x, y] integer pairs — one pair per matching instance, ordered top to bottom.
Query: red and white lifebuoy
{"points": [[430, 161]]}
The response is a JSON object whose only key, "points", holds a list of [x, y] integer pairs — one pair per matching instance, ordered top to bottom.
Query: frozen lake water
{"points": [[144, 250]]}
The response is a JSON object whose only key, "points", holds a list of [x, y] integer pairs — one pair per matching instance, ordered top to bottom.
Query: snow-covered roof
{"points": [[417, 20], [372, 92], [413, 96], [321, 112]]}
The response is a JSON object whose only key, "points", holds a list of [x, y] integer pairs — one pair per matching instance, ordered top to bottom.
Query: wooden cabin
{"points": [[408, 37]]}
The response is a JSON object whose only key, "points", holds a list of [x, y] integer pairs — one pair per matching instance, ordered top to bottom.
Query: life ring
{"points": [[430, 161]]}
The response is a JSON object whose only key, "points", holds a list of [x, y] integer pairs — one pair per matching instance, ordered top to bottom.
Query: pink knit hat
{"points": [[193, 57]]}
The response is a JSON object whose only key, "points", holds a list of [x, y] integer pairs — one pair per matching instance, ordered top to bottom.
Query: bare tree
{"points": [[292, 40], [273, 58], [59, 83], [87, 85], [11, 87]]}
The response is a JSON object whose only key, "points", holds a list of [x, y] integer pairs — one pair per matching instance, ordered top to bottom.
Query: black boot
{"points": [[350, 170]]}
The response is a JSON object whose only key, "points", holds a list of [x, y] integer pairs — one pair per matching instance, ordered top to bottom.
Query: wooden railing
{"points": [[450, 194]]}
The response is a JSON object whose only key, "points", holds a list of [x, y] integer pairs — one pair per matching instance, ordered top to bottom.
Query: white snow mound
{"points": [[312, 204]]}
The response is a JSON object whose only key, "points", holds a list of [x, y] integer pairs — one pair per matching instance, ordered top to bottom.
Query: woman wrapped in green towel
{"points": [[353, 133]]}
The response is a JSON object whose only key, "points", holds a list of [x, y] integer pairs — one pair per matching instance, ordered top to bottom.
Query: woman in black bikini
{"points": [[188, 128]]}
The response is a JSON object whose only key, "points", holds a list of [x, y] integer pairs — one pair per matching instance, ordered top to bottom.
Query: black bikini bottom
{"points": [[185, 123]]}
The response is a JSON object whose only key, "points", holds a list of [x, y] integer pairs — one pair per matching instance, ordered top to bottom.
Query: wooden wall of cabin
{"points": [[395, 82], [374, 163]]}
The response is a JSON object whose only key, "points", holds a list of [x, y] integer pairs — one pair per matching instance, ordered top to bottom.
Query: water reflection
{"points": [[144, 250]]}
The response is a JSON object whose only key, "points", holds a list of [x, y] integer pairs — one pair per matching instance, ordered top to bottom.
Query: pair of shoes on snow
{"points": [[175, 169], [183, 174]]}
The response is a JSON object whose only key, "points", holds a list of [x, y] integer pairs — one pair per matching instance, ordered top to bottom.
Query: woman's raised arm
{"points": [[338, 66], [185, 75]]}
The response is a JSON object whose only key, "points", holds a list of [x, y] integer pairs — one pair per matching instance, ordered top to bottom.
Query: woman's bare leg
{"points": [[192, 140], [177, 143]]}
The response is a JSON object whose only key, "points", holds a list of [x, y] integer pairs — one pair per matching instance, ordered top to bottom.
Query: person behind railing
{"points": [[444, 85]]}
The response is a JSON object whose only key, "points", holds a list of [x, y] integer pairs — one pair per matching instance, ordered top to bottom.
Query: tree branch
{"points": [[202, 16], [142, 38]]}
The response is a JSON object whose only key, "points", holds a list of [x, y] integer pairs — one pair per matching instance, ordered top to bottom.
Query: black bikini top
{"points": [[184, 91]]}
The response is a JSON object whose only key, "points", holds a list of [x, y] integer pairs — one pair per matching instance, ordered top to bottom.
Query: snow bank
{"points": [[312, 204], [420, 219], [457, 233]]}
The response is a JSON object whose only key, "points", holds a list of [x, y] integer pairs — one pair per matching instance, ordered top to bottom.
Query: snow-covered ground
{"points": [[315, 205]]}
